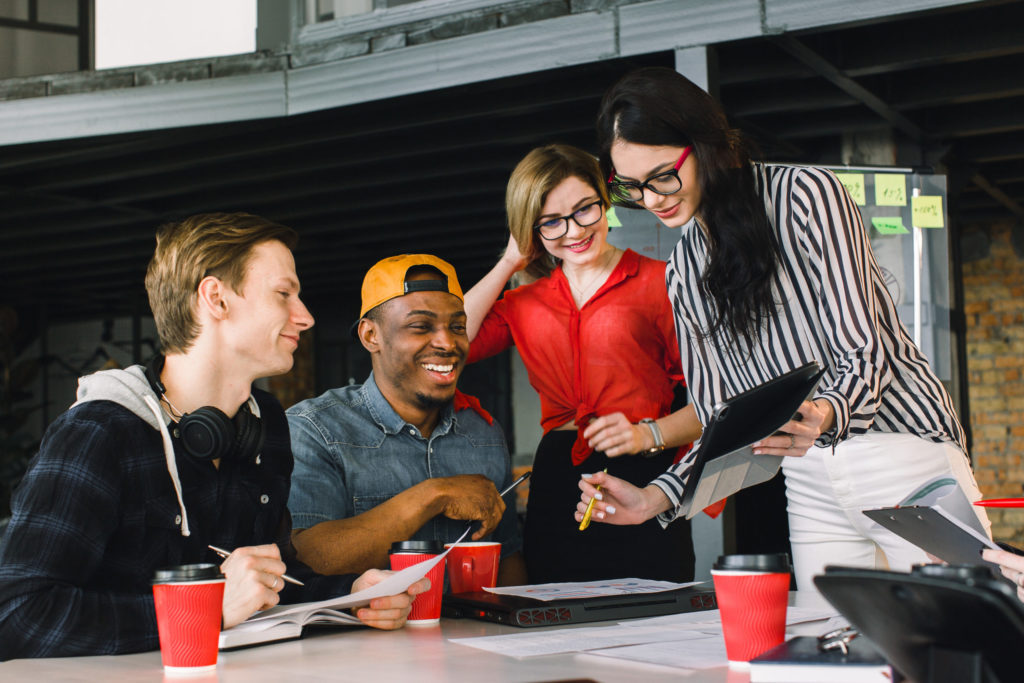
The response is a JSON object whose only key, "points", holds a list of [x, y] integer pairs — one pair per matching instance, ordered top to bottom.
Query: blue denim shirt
{"points": [[353, 452]]}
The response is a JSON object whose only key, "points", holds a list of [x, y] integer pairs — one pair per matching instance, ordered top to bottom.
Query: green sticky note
{"points": [[854, 184], [890, 189], [927, 211], [613, 220], [889, 225]]}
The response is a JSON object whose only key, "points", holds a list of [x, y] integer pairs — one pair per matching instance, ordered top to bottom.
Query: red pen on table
{"points": [[1001, 503]]}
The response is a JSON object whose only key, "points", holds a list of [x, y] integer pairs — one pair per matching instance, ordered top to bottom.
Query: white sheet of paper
{"points": [[945, 495], [394, 584], [589, 589], [794, 615], [626, 635], [571, 640], [705, 648], [695, 653]]}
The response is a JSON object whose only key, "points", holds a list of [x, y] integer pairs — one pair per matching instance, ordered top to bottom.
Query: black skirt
{"points": [[556, 550]]}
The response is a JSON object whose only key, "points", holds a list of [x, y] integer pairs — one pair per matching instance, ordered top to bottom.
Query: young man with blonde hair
{"points": [[152, 465]]}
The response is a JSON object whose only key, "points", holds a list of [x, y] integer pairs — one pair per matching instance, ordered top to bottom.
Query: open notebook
{"points": [[287, 621]]}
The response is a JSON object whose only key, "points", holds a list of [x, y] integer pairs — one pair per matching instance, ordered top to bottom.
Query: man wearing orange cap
{"points": [[404, 456]]}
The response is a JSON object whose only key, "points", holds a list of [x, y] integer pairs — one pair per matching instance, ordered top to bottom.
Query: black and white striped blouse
{"points": [[832, 306]]}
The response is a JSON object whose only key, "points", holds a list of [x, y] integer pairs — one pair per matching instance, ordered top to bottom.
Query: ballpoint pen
{"points": [[516, 483], [508, 488], [590, 508], [225, 553]]}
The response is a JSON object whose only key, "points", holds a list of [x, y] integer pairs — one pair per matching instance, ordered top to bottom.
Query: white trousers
{"points": [[826, 492]]}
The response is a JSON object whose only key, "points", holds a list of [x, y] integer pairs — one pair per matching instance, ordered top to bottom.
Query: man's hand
{"points": [[471, 497], [253, 581], [390, 612]]}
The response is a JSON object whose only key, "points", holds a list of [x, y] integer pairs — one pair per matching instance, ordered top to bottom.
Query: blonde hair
{"points": [[541, 171], [218, 244]]}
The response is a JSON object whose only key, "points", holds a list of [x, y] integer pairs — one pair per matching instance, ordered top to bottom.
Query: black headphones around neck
{"points": [[207, 433]]}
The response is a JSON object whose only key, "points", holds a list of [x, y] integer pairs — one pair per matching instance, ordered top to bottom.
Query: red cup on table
{"points": [[473, 566], [752, 592], [188, 601], [426, 607]]}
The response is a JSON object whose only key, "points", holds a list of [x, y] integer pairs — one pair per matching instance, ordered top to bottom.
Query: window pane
{"points": [[14, 9], [59, 12], [30, 53]]}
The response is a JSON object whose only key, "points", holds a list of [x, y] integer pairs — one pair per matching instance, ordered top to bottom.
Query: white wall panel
{"points": [[793, 15], [670, 24], [564, 41], [150, 107]]}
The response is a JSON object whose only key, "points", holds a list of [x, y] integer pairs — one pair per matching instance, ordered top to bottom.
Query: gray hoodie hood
{"points": [[130, 388]]}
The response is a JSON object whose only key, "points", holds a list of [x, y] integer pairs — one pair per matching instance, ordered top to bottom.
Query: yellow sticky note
{"points": [[854, 184], [890, 189], [927, 211], [613, 220], [889, 225]]}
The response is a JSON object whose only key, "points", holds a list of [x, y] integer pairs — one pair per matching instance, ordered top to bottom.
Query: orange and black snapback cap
{"points": [[386, 280]]}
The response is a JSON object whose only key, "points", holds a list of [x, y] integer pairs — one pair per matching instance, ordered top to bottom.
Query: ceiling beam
{"points": [[966, 34], [832, 74], [969, 120], [997, 194]]}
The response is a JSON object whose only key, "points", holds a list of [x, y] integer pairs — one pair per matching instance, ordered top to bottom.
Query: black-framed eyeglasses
{"points": [[632, 192], [555, 228]]}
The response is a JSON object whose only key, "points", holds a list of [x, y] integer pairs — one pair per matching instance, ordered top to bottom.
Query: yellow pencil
{"points": [[590, 508]]}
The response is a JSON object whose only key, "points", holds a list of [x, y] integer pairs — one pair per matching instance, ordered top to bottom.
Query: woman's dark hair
{"points": [[658, 106]]}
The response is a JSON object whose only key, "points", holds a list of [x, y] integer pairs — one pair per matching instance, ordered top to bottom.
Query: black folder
{"points": [[724, 462]]}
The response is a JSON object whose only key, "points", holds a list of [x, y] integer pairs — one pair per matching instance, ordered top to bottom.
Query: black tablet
{"points": [[725, 463], [935, 623]]}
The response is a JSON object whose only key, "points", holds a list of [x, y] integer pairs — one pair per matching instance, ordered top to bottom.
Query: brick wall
{"points": [[994, 306]]}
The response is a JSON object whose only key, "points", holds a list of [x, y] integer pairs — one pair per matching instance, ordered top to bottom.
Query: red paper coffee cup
{"points": [[473, 566], [752, 592], [188, 601], [426, 607]]}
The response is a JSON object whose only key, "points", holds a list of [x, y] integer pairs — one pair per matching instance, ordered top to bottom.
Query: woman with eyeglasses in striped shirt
{"points": [[774, 269]]}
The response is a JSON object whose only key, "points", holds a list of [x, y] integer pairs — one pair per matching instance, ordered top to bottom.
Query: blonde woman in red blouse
{"points": [[595, 331]]}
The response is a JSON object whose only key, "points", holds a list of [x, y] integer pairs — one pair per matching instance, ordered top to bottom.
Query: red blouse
{"points": [[616, 354]]}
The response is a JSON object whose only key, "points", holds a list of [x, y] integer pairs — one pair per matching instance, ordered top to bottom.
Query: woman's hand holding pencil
{"points": [[611, 500]]}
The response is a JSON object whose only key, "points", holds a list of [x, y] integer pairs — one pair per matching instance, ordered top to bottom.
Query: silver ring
{"points": [[792, 441], [274, 585]]}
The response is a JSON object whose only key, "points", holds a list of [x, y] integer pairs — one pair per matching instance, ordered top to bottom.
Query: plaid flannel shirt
{"points": [[96, 514]]}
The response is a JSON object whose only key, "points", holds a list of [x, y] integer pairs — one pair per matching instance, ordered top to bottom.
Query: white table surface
{"points": [[419, 654]]}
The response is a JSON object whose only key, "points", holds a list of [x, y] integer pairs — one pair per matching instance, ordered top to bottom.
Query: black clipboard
{"points": [[725, 463], [933, 532]]}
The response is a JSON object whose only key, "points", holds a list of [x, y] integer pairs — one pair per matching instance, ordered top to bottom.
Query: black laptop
{"points": [[520, 611]]}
